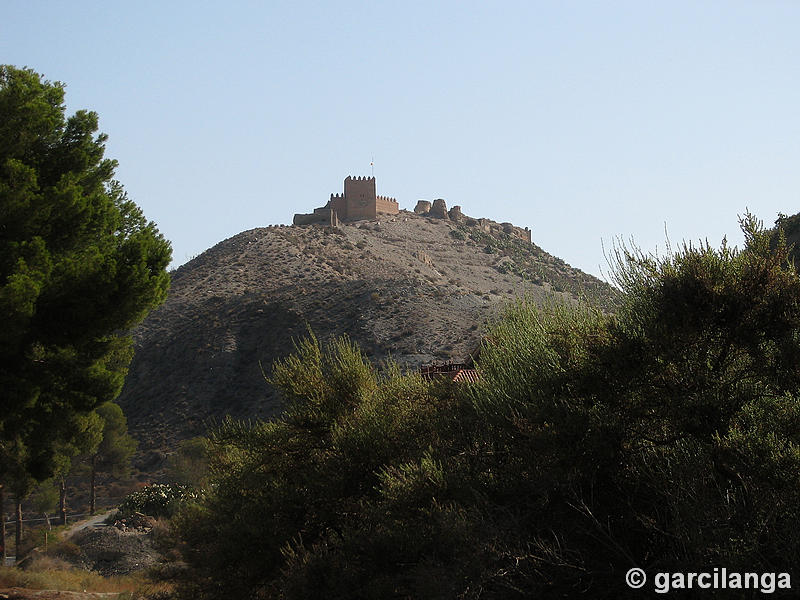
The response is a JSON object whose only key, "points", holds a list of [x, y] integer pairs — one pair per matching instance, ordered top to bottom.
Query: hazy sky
{"points": [[585, 121]]}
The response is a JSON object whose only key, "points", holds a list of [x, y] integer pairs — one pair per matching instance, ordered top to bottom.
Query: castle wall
{"points": [[338, 204], [387, 206], [360, 209], [328, 215], [320, 216], [494, 228], [517, 232]]}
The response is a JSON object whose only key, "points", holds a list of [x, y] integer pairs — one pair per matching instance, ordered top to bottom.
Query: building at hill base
{"points": [[455, 372]]}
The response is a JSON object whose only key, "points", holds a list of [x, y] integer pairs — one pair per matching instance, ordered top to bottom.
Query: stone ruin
{"points": [[359, 201], [423, 207], [437, 210], [455, 214]]}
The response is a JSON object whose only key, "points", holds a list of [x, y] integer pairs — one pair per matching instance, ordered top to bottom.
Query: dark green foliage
{"points": [[79, 266], [664, 437], [643, 438], [116, 448], [113, 453], [350, 458], [189, 465], [44, 499]]}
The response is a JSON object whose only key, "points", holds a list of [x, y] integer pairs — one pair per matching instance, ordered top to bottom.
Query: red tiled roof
{"points": [[457, 372], [468, 375]]}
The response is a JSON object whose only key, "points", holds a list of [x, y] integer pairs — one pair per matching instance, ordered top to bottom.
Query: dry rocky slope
{"points": [[414, 288]]}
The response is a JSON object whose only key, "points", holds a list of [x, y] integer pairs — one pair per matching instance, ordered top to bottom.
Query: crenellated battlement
{"points": [[358, 201]]}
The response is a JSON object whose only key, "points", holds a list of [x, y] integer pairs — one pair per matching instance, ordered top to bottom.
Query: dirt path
{"points": [[95, 522]]}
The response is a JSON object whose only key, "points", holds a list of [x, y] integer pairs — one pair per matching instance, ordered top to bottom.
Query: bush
{"points": [[664, 436], [189, 464], [157, 500], [65, 549]]}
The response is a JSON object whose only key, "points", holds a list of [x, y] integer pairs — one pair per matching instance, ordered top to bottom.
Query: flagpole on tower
{"points": [[372, 167]]}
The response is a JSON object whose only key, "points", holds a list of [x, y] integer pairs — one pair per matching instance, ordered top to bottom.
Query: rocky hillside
{"points": [[414, 288]]}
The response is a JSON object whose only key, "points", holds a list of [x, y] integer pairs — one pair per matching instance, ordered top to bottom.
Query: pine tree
{"points": [[79, 266], [115, 449]]}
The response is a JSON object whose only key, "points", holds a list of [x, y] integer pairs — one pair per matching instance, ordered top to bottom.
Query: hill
{"points": [[791, 229], [414, 288]]}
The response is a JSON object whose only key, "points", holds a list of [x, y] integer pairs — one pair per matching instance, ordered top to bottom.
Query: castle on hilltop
{"points": [[358, 201]]}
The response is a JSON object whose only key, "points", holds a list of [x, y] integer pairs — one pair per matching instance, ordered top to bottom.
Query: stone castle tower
{"points": [[359, 201]]}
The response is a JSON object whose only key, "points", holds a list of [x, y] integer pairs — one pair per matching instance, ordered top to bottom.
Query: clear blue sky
{"points": [[584, 121]]}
